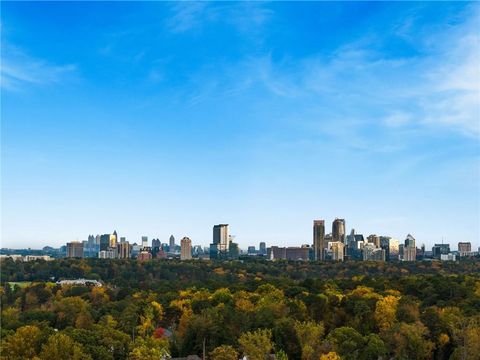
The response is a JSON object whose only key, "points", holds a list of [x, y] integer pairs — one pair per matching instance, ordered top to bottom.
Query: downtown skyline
{"points": [[164, 118], [330, 230]]}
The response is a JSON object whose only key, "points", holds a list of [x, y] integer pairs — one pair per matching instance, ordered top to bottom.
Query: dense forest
{"points": [[254, 308]]}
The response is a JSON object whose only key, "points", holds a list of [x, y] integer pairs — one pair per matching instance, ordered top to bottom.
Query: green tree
{"points": [[68, 309], [408, 309], [310, 336], [467, 338], [410, 341], [347, 342], [24, 344], [256, 345], [61, 347], [374, 348], [148, 349], [224, 352], [281, 355]]}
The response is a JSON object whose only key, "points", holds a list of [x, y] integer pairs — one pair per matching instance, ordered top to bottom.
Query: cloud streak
{"points": [[19, 70], [439, 89]]}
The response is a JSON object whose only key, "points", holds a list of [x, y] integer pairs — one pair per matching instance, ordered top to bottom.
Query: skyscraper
{"points": [[338, 230], [220, 237], [113, 239], [319, 239], [374, 239], [144, 241], [409, 241], [104, 242], [171, 245], [390, 245], [263, 248], [464, 248], [75, 249], [186, 249], [409, 249], [439, 249], [124, 250], [233, 250], [337, 250]]}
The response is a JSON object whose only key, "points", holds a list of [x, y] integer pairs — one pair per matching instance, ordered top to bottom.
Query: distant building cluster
{"points": [[334, 246]]}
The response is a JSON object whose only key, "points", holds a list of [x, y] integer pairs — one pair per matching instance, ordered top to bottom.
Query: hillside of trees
{"points": [[295, 310]]}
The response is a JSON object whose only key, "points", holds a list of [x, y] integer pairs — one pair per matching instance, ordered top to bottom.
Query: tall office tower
{"points": [[338, 230], [220, 237], [97, 239], [113, 239], [123, 239], [319, 239], [374, 239], [144, 241], [409, 241], [104, 242], [171, 245], [390, 245], [156, 247], [263, 248], [464, 248], [75, 249], [90, 249], [185, 249], [337, 249], [409, 249], [440, 249], [124, 250], [233, 250], [213, 251], [372, 253]]}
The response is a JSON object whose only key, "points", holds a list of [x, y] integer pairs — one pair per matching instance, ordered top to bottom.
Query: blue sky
{"points": [[167, 118]]}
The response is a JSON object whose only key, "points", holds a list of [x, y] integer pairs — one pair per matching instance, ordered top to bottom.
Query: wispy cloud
{"points": [[186, 15], [245, 17], [19, 70], [359, 85], [439, 89]]}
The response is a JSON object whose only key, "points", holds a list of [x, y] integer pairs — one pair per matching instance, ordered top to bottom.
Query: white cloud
{"points": [[186, 16], [246, 17], [19, 70], [439, 89], [397, 119]]}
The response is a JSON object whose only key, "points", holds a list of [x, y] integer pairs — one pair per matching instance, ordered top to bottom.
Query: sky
{"points": [[162, 118]]}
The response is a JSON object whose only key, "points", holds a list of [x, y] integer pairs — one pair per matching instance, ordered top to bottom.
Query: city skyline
{"points": [[164, 118], [327, 235]]}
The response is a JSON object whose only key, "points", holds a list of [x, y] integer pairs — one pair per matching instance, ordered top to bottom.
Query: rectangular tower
{"points": [[338, 230], [220, 237], [319, 239], [186, 249]]}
